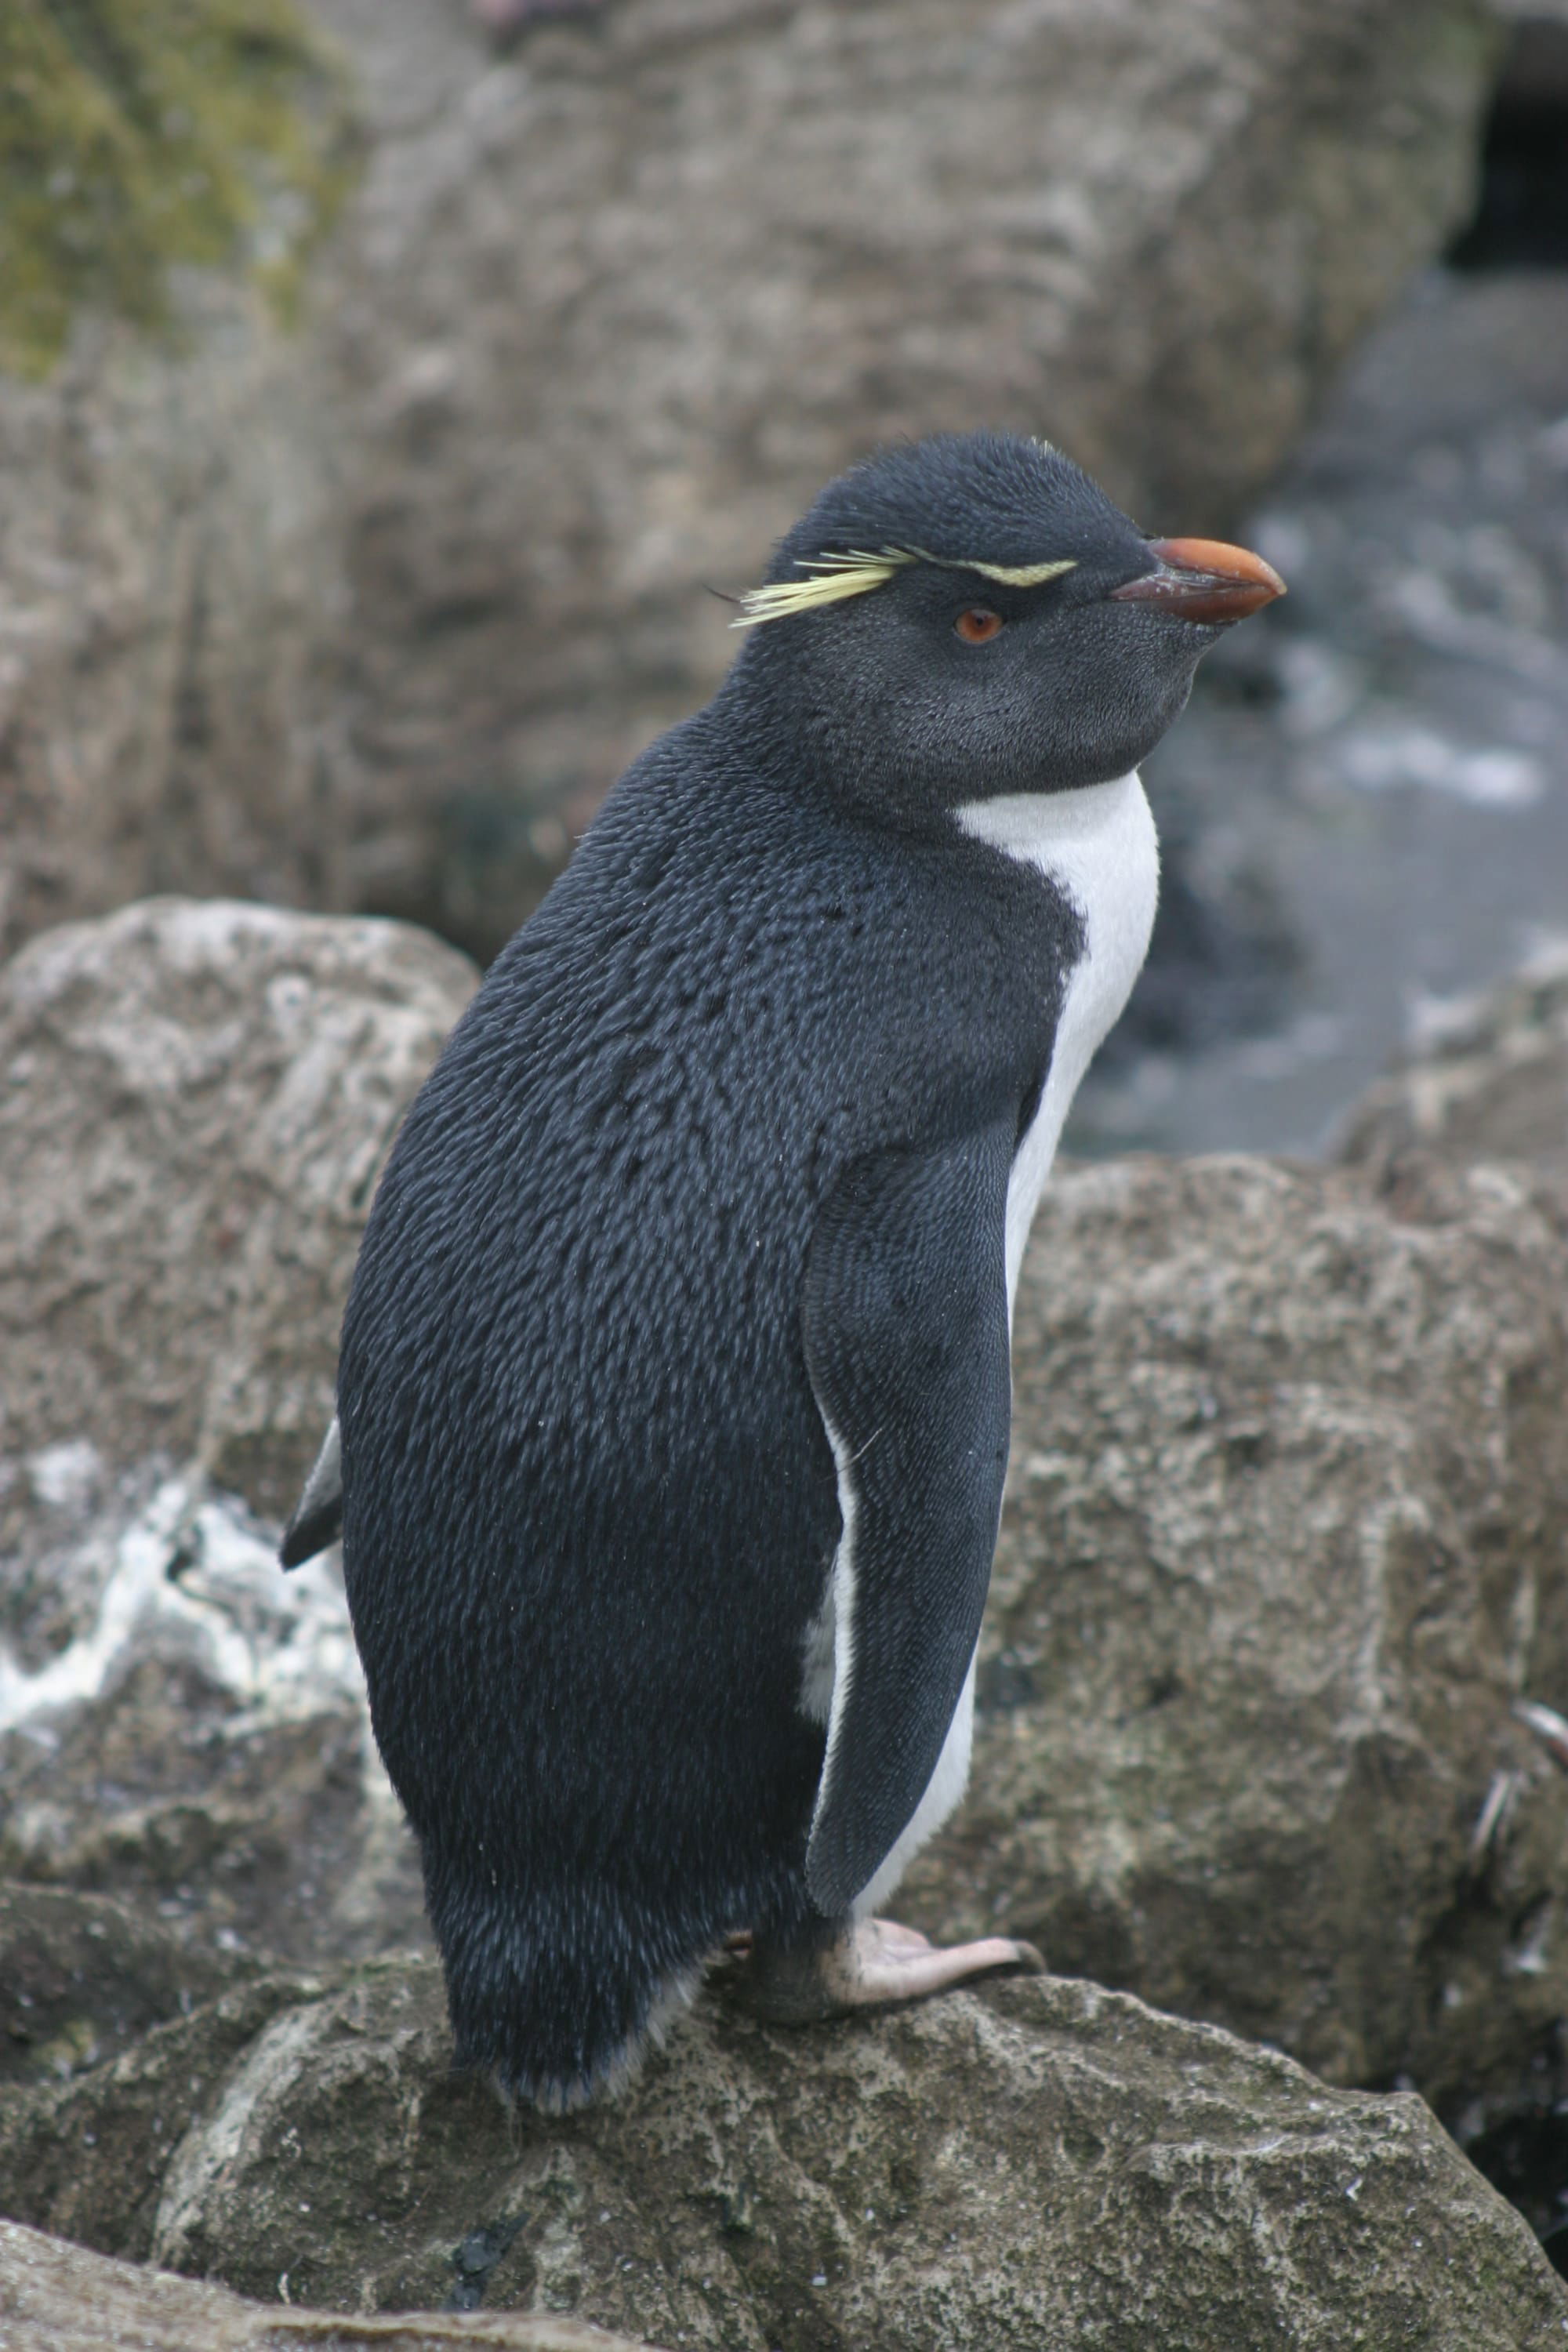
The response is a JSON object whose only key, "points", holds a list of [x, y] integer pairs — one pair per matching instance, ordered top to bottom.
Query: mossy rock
{"points": [[140, 135]]}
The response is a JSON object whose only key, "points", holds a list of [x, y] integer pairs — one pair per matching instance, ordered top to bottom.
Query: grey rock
{"points": [[369, 617], [1488, 1082], [195, 1099], [195, 1104], [1285, 1544], [1284, 1549], [81, 1977], [85, 2158], [1042, 2164], [58, 2297]]}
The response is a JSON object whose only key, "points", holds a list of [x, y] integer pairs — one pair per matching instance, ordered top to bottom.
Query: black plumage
{"points": [[712, 1176]]}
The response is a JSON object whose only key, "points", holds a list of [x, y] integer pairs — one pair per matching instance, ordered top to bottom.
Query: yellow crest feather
{"points": [[831, 578]]}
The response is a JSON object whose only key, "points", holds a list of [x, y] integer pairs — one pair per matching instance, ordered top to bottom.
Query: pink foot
{"points": [[882, 1961], [877, 1962]]}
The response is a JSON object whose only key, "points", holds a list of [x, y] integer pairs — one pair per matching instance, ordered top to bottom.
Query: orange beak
{"points": [[1204, 580]]}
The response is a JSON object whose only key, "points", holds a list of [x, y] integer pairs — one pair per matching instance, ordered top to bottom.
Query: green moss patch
{"points": [[139, 135]]}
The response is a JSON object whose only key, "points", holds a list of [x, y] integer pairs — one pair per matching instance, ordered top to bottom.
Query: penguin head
{"points": [[970, 615]]}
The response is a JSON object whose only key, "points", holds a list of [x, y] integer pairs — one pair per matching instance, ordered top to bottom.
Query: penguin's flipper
{"points": [[905, 1324], [318, 1518]]}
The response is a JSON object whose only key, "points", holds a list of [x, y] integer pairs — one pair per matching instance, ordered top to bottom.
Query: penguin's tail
{"points": [[317, 1518], [556, 2001]]}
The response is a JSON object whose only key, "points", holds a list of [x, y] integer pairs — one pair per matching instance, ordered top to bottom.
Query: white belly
{"points": [[1099, 847]]}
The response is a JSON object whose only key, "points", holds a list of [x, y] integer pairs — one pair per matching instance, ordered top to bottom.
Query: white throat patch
{"points": [[1099, 847]]}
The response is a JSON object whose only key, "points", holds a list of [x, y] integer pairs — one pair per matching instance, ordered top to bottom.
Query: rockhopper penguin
{"points": [[674, 1389]]}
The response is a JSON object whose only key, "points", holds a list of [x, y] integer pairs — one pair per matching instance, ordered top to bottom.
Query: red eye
{"points": [[977, 624]]}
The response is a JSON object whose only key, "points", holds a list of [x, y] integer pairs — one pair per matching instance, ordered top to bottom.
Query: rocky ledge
{"points": [[1040, 2164]]}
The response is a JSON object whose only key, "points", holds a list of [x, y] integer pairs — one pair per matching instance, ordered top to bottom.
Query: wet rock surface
{"points": [[369, 615], [195, 1099], [1286, 1541], [1044, 2163]]}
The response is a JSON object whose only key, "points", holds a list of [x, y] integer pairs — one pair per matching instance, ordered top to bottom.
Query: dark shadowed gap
{"points": [[1522, 212]]}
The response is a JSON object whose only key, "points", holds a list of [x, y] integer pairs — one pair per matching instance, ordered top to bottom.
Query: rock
{"points": [[367, 616], [1488, 1082], [194, 1103], [1284, 1546], [200, 1745], [81, 1977], [86, 2155], [1044, 2163], [57, 2297]]}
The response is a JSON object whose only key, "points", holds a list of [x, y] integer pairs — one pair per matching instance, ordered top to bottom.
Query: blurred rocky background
{"points": [[383, 386], [362, 602]]}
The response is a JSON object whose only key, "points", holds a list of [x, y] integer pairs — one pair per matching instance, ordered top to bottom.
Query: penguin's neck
{"points": [[1098, 847]]}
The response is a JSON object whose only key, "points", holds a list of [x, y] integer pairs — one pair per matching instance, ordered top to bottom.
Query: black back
{"points": [[589, 1502]]}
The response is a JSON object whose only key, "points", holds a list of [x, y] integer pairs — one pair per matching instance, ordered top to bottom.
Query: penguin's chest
{"points": [[1098, 847]]}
